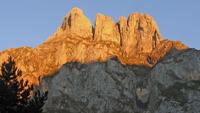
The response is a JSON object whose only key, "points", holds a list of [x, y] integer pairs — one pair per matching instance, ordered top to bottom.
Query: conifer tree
{"points": [[15, 94]]}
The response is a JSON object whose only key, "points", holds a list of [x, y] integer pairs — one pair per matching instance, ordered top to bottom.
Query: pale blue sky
{"points": [[30, 22]]}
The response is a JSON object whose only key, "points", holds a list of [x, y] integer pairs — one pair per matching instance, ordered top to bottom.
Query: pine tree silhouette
{"points": [[15, 95]]}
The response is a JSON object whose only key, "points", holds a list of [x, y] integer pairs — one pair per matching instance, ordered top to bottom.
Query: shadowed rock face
{"points": [[135, 41], [172, 86]]}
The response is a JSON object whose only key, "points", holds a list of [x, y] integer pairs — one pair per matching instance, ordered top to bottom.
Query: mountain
{"points": [[136, 40], [112, 67]]}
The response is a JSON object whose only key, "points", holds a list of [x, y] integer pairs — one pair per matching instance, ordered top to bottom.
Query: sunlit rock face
{"points": [[76, 22], [106, 29], [139, 34], [135, 41]]}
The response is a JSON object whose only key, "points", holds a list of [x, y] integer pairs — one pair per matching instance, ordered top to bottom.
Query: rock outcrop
{"points": [[76, 22], [106, 29], [139, 34], [136, 41], [172, 86]]}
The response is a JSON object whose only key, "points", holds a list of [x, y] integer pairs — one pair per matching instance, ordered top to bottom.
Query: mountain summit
{"points": [[76, 22], [135, 41]]}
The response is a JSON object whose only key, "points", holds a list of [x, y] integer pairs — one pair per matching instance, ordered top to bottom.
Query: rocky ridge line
{"points": [[135, 41]]}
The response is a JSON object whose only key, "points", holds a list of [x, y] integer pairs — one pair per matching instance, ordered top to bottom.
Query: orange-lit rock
{"points": [[76, 22], [105, 29], [140, 34], [134, 41]]}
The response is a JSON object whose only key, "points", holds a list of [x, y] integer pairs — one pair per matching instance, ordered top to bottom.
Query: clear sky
{"points": [[30, 22]]}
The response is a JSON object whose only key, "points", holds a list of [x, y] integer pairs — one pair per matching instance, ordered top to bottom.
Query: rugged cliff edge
{"points": [[135, 40], [172, 86]]}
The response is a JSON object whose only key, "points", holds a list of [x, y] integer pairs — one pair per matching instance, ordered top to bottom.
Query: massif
{"points": [[122, 67]]}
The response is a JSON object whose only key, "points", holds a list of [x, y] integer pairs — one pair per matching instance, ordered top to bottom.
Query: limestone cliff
{"points": [[76, 22], [106, 29], [135, 40], [171, 86]]}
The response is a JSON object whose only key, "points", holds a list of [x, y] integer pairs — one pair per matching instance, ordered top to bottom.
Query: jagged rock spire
{"points": [[76, 22], [105, 29], [139, 33]]}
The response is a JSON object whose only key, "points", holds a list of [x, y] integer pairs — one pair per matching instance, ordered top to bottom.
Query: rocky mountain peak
{"points": [[76, 22], [105, 29], [139, 34], [134, 41]]}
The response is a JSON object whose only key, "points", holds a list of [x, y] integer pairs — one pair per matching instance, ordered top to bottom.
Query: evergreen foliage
{"points": [[17, 96]]}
